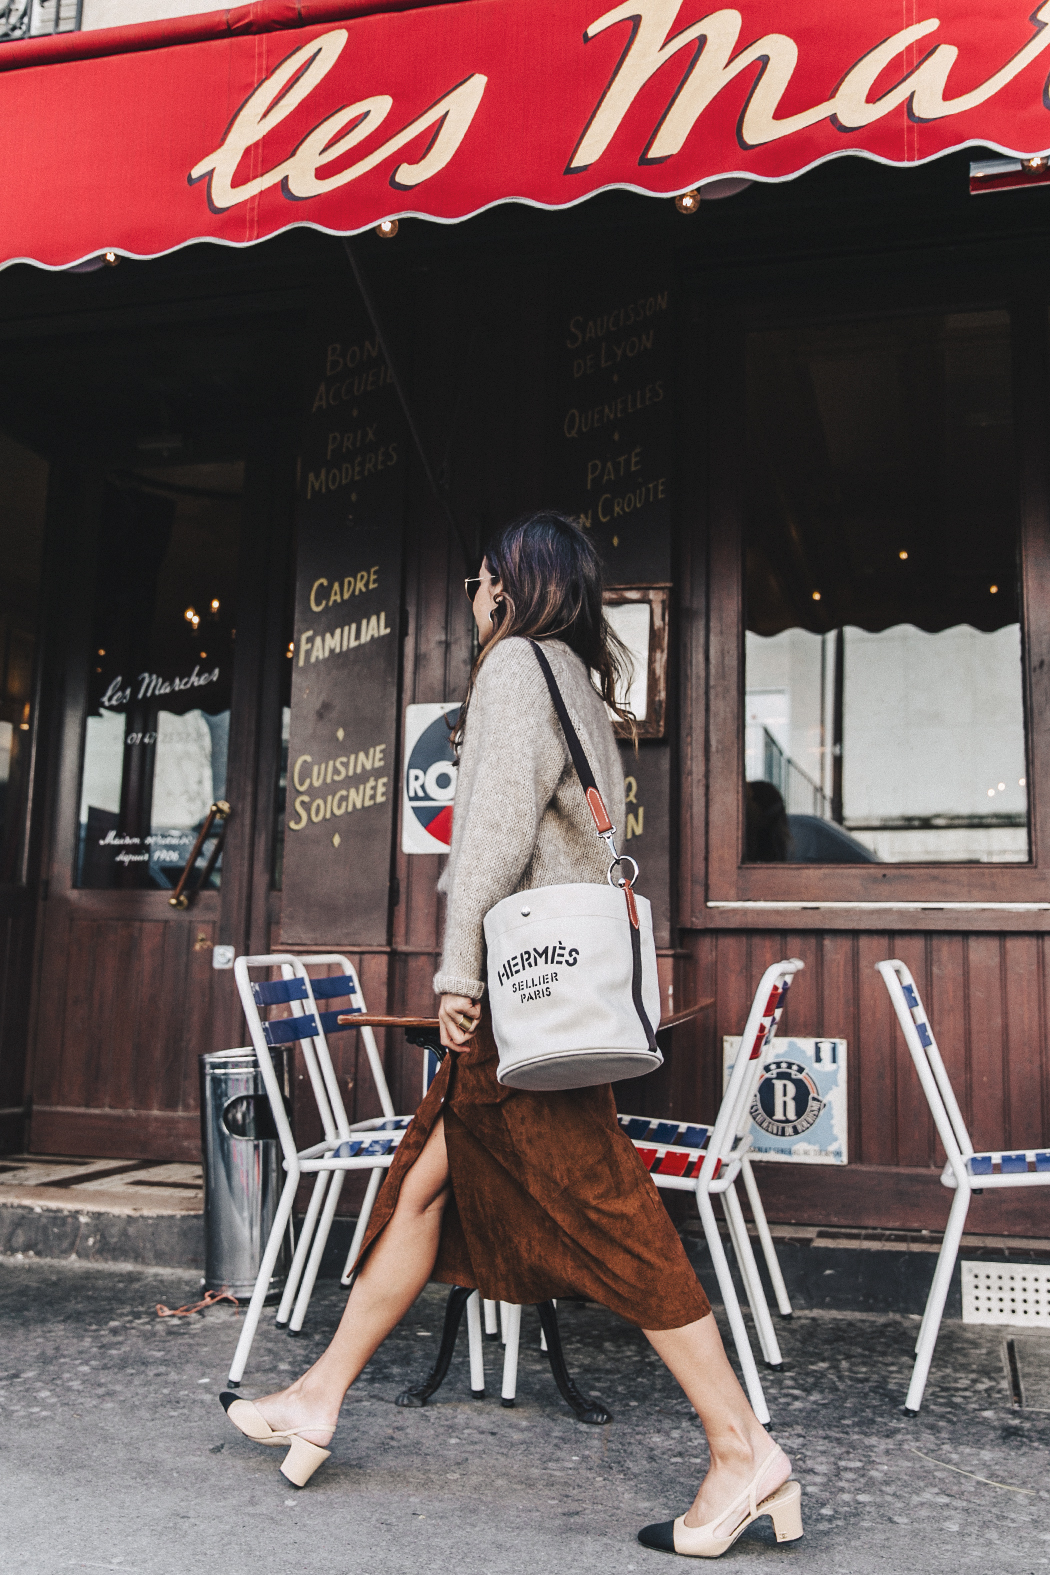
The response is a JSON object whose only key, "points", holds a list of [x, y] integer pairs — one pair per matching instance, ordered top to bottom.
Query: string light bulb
{"points": [[687, 201], [387, 230], [111, 259], [902, 555], [993, 590], [816, 596], [215, 604], [189, 615]]}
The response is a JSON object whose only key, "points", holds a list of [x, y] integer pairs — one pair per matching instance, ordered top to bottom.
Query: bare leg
{"points": [[398, 1267], [737, 1440]]}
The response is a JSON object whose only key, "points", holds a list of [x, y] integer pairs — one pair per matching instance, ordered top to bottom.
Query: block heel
{"points": [[302, 1459], [785, 1508]]}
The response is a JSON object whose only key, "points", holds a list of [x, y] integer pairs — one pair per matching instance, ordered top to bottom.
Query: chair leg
{"points": [[362, 1225], [302, 1247], [769, 1251], [313, 1264], [752, 1279], [942, 1279], [262, 1283], [458, 1298], [732, 1307], [491, 1325], [543, 1332], [511, 1334], [474, 1342], [592, 1411]]}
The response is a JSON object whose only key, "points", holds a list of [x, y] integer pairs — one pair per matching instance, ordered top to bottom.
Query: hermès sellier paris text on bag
{"points": [[572, 979]]}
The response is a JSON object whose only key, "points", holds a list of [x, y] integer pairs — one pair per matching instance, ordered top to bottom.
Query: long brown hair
{"points": [[550, 580]]}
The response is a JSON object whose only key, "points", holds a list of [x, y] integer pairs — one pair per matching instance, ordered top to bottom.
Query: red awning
{"points": [[340, 113]]}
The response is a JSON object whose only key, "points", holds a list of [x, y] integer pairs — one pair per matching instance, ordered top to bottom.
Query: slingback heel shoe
{"points": [[302, 1459], [713, 1539]]}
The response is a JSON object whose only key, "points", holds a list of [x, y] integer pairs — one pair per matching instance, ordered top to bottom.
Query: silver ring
{"points": [[625, 858]]}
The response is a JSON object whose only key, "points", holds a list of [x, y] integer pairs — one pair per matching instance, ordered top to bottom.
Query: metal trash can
{"points": [[243, 1170]]}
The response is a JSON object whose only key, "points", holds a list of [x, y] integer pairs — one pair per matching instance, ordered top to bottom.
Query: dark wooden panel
{"points": [[16, 950], [935, 961], [985, 996], [977, 1009], [136, 1010], [840, 1015], [1024, 1028], [873, 1055], [116, 1134], [889, 1198]]}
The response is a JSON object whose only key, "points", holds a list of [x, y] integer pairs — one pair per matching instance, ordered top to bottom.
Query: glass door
{"points": [[165, 659]]}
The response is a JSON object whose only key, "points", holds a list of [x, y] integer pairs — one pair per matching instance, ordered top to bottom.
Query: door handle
{"points": [[180, 897]]}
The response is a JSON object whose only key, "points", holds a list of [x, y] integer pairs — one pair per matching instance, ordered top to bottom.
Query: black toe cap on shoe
{"points": [[228, 1397], [659, 1535]]}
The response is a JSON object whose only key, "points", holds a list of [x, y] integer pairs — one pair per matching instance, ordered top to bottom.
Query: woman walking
{"points": [[528, 1196]]}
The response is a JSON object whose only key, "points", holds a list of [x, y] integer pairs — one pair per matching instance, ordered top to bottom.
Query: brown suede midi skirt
{"points": [[549, 1197]]}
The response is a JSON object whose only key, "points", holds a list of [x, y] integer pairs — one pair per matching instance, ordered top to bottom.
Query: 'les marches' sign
{"points": [[444, 110]]}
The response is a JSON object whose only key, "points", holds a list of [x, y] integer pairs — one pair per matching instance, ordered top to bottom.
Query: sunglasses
{"points": [[474, 584]]}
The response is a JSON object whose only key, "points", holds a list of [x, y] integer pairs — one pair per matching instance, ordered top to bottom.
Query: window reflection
{"points": [[884, 699], [158, 726]]}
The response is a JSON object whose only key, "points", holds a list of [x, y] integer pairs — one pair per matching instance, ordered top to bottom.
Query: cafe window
{"points": [[23, 499], [161, 666], [884, 716]]}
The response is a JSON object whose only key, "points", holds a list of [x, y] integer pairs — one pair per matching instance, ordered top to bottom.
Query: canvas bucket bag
{"points": [[572, 979]]}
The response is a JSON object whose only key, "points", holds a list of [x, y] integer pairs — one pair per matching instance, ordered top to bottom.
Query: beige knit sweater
{"points": [[520, 818]]}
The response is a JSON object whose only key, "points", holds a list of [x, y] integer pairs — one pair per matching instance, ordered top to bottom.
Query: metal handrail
{"points": [[180, 897]]}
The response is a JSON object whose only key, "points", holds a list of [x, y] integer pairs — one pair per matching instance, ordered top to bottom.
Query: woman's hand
{"points": [[459, 1017]]}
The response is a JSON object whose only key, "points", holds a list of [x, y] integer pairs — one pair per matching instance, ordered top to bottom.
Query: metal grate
{"points": [[1006, 1293]]}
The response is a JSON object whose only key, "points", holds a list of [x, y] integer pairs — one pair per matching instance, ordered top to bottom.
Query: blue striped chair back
{"points": [[284, 992]]}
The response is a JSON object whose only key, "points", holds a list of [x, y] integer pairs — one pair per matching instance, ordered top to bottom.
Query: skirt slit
{"points": [[548, 1197]]}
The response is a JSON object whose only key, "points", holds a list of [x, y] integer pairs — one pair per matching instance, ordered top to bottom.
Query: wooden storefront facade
{"points": [[193, 378]]}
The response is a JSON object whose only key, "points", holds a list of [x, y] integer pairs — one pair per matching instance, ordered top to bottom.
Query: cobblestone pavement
{"points": [[115, 1454]]}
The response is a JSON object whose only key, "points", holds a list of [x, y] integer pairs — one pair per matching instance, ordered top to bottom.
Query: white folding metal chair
{"points": [[361, 1145], [706, 1161], [966, 1170]]}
